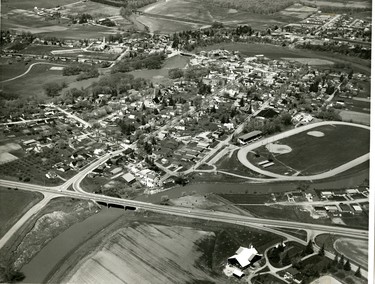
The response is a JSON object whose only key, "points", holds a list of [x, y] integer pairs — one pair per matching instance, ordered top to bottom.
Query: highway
{"points": [[192, 213]]}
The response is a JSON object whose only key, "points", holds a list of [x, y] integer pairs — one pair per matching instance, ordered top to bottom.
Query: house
{"points": [[129, 178], [244, 257]]}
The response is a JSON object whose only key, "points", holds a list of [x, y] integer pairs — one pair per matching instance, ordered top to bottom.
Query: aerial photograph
{"points": [[186, 141]]}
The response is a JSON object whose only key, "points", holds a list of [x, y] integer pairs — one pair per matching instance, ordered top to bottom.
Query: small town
{"points": [[148, 141]]}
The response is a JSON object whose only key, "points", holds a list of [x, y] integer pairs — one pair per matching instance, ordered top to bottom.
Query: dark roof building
{"points": [[249, 136]]}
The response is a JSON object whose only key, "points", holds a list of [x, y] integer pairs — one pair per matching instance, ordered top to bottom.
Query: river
{"points": [[39, 268]]}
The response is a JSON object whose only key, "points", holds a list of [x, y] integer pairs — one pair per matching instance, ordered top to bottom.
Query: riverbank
{"points": [[51, 257]]}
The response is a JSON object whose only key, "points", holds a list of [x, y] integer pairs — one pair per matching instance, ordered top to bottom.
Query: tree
{"points": [[175, 73], [52, 89], [309, 248], [321, 250], [274, 255], [286, 260], [341, 262], [347, 266], [358, 272]]}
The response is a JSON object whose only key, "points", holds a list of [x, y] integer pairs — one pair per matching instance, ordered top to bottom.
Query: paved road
{"points": [[29, 69], [80, 120], [28, 121], [242, 154], [193, 213]]}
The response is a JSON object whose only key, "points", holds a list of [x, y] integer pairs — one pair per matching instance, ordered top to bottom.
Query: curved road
{"points": [[29, 69], [242, 154]]}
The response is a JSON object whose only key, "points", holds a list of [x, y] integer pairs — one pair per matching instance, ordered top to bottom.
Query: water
{"points": [[39, 268]]}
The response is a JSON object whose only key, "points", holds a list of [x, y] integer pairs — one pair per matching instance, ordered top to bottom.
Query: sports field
{"points": [[314, 154]]}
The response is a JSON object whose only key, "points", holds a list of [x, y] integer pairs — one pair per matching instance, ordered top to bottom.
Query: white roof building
{"points": [[244, 256]]}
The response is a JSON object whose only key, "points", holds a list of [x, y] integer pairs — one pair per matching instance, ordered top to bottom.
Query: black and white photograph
{"points": [[186, 142]]}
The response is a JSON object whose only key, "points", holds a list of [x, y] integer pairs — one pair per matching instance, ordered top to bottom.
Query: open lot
{"points": [[311, 155], [13, 204]]}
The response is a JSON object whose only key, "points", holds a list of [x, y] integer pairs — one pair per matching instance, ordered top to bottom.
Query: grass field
{"points": [[10, 67], [32, 83], [356, 117], [312, 155], [13, 204], [357, 250], [266, 278]]}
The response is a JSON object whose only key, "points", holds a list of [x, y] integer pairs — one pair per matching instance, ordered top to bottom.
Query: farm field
{"points": [[340, 4], [7, 5], [206, 13], [20, 16], [312, 155], [13, 204], [143, 247], [146, 254]]}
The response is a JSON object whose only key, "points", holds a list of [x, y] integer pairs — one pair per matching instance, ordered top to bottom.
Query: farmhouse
{"points": [[249, 136], [244, 257]]}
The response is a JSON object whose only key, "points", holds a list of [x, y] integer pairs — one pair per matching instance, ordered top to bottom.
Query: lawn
{"points": [[313, 155], [230, 163], [13, 204], [292, 249], [266, 278]]}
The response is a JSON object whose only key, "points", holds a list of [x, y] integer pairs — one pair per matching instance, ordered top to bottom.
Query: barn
{"points": [[244, 257]]}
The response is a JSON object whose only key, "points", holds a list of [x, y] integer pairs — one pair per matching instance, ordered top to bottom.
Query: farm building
{"points": [[249, 136], [244, 257]]}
